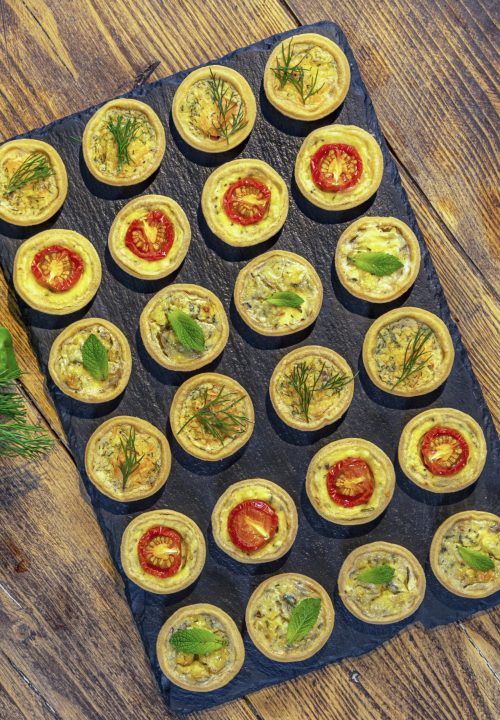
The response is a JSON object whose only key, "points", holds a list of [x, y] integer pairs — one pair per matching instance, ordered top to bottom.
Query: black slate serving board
{"points": [[274, 451]]}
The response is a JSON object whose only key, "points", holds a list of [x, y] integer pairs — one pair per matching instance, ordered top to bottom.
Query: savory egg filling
{"points": [[199, 113], [32, 199], [200, 669]]}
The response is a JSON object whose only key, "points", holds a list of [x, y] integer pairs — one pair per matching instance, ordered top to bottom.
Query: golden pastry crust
{"points": [[320, 58], [195, 114], [145, 151], [370, 177], [37, 201], [138, 209], [221, 224], [377, 234], [277, 271], [41, 298], [391, 335], [159, 338], [66, 366], [188, 400], [327, 405], [409, 450], [104, 454], [383, 475], [273, 495], [475, 530], [193, 551], [269, 596], [388, 603], [213, 674]]}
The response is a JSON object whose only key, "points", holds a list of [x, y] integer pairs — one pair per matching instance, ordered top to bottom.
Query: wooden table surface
{"points": [[68, 647]]}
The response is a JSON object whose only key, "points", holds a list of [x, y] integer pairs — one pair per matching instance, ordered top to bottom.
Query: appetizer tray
{"points": [[275, 451]]}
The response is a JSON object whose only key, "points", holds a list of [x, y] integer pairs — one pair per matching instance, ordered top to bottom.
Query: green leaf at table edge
{"points": [[376, 263], [286, 298], [187, 331], [95, 357], [475, 559], [377, 575], [302, 619], [196, 641]]}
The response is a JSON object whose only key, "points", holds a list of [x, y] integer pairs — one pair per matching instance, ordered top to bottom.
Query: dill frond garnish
{"points": [[289, 70], [230, 109], [124, 131], [34, 167], [416, 356], [305, 383], [217, 418], [17, 436], [131, 460]]}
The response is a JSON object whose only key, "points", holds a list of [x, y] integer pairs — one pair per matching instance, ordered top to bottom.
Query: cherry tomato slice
{"points": [[336, 167], [246, 201], [152, 237], [57, 268], [444, 450], [350, 482], [252, 524], [159, 551]]}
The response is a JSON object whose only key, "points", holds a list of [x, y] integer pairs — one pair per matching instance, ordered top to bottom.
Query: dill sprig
{"points": [[295, 74], [227, 103], [124, 130], [34, 167], [416, 357], [300, 378], [216, 417], [17, 436], [131, 460]]}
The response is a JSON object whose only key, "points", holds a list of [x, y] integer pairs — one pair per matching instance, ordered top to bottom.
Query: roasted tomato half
{"points": [[336, 167], [246, 201], [152, 237], [57, 268], [444, 450], [350, 482], [252, 524], [160, 551]]}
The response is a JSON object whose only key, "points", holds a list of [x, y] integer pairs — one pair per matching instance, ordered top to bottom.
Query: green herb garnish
{"points": [[290, 71], [230, 109], [124, 131], [34, 167], [376, 263], [285, 299], [187, 331], [416, 356], [95, 358], [305, 383], [217, 418], [131, 460], [475, 559], [378, 575], [302, 619], [196, 641]]}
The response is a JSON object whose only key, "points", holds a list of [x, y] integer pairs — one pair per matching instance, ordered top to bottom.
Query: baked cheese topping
{"points": [[199, 113], [34, 198]]}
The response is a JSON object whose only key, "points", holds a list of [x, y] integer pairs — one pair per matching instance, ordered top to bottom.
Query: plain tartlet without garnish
{"points": [[307, 77], [214, 109], [123, 142], [339, 167], [33, 182], [245, 202], [386, 235], [149, 237], [57, 271], [408, 352], [66, 362], [311, 387], [127, 458], [350, 481], [255, 521], [162, 551], [382, 602], [268, 613]]}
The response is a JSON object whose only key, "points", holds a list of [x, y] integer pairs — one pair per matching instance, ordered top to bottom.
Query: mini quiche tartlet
{"points": [[307, 77], [214, 109], [123, 142], [339, 167], [33, 182], [245, 202], [150, 236], [377, 258], [278, 293], [184, 327], [408, 352], [91, 361], [311, 387], [211, 416], [442, 450], [127, 458], [350, 481], [255, 521], [162, 551], [465, 554], [381, 583], [289, 617], [200, 648]]}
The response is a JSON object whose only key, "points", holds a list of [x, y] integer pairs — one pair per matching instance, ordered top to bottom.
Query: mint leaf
{"points": [[376, 263], [285, 299], [187, 331], [95, 357], [475, 559], [378, 575], [302, 619], [196, 641]]}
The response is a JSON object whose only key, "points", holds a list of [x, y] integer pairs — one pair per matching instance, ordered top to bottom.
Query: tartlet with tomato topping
{"points": [[307, 77], [214, 109], [123, 142], [339, 167], [33, 182], [245, 202], [149, 237], [377, 258], [57, 271], [278, 293], [184, 327], [408, 352], [91, 361], [311, 387], [211, 416], [442, 450], [127, 458], [350, 481], [255, 521], [162, 551], [465, 554], [381, 583], [289, 617], [199, 648]]}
